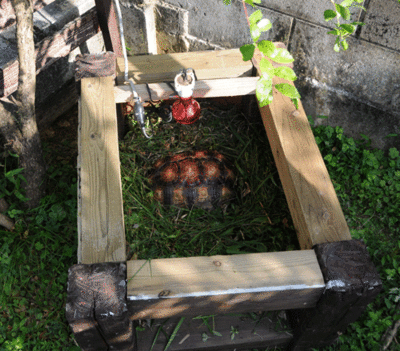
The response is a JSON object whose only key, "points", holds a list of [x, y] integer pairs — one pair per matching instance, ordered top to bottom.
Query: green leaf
{"points": [[227, 2], [251, 2], [347, 3], [344, 12], [329, 15], [255, 17], [358, 23], [264, 25], [349, 28], [255, 32], [334, 32], [344, 44], [267, 47], [336, 47], [247, 51], [281, 56], [266, 66], [285, 73], [264, 90], [288, 90], [296, 103], [393, 152], [39, 246], [171, 339]]}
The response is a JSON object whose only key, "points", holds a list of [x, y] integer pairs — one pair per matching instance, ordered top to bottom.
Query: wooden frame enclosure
{"points": [[324, 287]]}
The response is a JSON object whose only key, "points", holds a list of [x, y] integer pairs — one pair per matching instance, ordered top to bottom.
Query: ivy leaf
{"points": [[347, 3], [344, 12], [329, 15], [255, 17], [349, 28], [266, 47], [247, 51], [281, 56], [266, 67], [285, 73], [264, 90], [288, 90]]}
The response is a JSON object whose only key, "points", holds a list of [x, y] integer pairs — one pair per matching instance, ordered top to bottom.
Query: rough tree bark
{"points": [[17, 115]]}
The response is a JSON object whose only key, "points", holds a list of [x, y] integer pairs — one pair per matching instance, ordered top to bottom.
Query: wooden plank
{"points": [[163, 68], [203, 89], [309, 191], [101, 232], [220, 284], [262, 332]]}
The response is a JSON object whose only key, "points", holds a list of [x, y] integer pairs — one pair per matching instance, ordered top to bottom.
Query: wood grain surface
{"points": [[101, 232]]}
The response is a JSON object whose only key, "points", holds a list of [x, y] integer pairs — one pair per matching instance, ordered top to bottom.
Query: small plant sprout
{"points": [[343, 30], [234, 332]]}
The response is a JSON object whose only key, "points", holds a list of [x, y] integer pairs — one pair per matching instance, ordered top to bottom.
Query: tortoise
{"points": [[194, 178]]}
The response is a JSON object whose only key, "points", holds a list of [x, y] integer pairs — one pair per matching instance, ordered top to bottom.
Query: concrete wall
{"points": [[358, 89]]}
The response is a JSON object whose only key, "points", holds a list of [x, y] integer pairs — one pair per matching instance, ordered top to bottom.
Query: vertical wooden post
{"points": [[109, 26], [352, 282], [96, 305]]}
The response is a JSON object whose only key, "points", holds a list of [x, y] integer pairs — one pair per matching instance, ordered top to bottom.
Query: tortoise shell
{"points": [[199, 178]]}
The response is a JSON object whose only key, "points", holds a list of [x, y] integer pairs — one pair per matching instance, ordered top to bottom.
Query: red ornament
{"points": [[186, 110]]}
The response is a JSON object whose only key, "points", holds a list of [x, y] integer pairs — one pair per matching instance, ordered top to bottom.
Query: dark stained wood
{"points": [[109, 25], [51, 49], [352, 282], [96, 308], [252, 333]]}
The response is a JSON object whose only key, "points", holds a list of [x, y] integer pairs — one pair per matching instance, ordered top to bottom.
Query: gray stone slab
{"points": [[310, 10], [57, 14], [383, 23], [226, 26], [134, 28], [373, 79], [363, 95], [354, 116]]}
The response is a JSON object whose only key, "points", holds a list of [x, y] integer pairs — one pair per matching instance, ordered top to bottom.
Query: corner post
{"points": [[352, 282]]}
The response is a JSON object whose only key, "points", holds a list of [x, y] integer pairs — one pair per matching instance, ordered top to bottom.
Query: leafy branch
{"points": [[343, 30], [269, 52]]}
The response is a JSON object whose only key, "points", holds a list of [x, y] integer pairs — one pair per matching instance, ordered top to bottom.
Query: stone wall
{"points": [[358, 89]]}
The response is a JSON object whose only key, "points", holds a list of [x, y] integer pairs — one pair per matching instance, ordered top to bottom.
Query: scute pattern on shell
{"points": [[197, 178]]}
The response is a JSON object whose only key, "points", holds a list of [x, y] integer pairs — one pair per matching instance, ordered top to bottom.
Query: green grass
{"points": [[35, 257]]}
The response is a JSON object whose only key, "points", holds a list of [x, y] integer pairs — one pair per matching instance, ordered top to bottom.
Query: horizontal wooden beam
{"points": [[163, 68], [203, 89], [312, 200], [162, 288], [261, 331]]}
